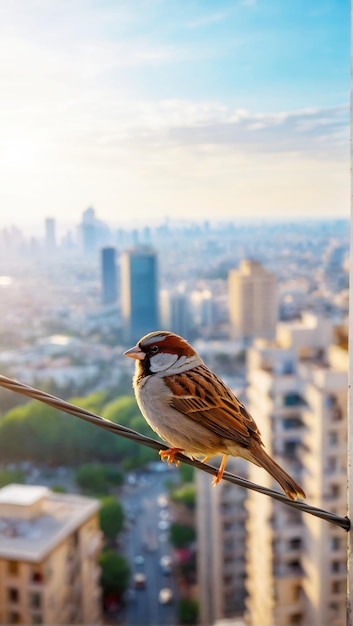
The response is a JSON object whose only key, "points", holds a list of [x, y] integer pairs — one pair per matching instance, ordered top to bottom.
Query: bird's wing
{"points": [[202, 396]]}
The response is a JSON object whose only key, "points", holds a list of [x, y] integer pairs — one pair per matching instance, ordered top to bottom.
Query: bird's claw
{"points": [[169, 455]]}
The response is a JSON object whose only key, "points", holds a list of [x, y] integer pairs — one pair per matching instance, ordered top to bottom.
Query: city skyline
{"points": [[159, 109]]}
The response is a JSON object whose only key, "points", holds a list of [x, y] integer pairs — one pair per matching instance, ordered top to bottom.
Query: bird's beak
{"points": [[135, 353]]}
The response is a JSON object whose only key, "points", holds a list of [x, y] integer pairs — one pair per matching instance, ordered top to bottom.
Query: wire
{"points": [[127, 433]]}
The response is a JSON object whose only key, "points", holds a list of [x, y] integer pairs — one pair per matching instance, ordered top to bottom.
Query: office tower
{"points": [[89, 231], [94, 233], [50, 234], [109, 276], [139, 292], [252, 301], [180, 314], [221, 533], [49, 548], [296, 563]]}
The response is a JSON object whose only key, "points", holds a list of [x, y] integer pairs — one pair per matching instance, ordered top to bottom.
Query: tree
{"points": [[186, 473], [97, 478], [186, 495], [111, 517], [181, 536], [115, 572], [188, 611]]}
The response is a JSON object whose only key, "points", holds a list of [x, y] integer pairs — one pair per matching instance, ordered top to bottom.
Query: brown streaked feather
{"points": [[196, 394]]}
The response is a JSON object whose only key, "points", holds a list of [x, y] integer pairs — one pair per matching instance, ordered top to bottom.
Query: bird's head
{"points": [[161, 350]]}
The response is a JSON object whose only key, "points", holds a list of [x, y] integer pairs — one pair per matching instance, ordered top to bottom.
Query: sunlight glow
{"points": [[19, 152]]}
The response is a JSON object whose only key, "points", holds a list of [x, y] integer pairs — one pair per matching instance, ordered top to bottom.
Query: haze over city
{"points": [[163, 109]]}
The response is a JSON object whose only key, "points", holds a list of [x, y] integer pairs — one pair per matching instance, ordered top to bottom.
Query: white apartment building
{"points": [[296, 563]]}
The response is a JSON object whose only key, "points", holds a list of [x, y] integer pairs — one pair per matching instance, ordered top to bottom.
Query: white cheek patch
{"points": [[160, 362]]}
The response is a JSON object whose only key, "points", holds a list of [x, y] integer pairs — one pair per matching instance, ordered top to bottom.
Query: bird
{"points": [[194, 411]]}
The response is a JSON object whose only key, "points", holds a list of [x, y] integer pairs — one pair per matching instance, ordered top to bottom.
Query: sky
{"points": [[148, 109]]}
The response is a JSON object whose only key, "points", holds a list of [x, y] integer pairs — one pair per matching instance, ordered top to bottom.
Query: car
{"points": [[162, 501], [163, 524], [138, 559], [166, 564], [139, 580], [165, 596]]}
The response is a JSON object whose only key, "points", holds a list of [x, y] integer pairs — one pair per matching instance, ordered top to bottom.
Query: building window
{"points": [[292, 399], [336, 411], [292, 422], [332, 438], [290, 449], [331, 464], [335, 491], [295, 543], [335, 543], [295, 566], [338, 566], [13, 568], [36, 575], [338, 586], [13, 595], [35, 600], [14, 618], [37, 618], [296, 618]]}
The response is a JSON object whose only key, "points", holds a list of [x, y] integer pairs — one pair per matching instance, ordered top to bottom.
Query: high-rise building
{"points": [[89, 231], [94, 233], [50, 234], [109, 276], [139, 292], [253, 307], [180, 319], [221, 516], [49, 548], [296, 563], [293, 564]]}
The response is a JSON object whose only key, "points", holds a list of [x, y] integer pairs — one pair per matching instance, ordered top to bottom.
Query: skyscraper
{"points": [[89, 231], [50, 236], [109, 277], [139, 292], [253, 308], [180, 314]]}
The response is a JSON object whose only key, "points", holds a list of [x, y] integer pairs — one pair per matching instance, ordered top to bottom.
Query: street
{"points": [[147, 537]]}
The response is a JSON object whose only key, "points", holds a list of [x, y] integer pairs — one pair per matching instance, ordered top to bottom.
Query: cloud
{"points": [[206, 126], [310, 131]]}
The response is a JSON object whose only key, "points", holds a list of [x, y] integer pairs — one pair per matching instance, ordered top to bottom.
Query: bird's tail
{"points": [[288, 484]]}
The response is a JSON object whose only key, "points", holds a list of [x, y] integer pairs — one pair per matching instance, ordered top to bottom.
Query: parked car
{"points": [[166, 564], [139, 580], [165, 596]]}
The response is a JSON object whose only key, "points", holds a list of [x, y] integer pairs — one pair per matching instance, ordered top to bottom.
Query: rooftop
{"points": [[22, 495], [32, 539]]}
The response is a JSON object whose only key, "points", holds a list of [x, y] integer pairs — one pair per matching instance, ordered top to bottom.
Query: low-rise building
{"points": [[49, 548]]}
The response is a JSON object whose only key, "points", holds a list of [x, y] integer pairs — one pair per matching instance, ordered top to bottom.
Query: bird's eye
{"points": [[154, 349]]}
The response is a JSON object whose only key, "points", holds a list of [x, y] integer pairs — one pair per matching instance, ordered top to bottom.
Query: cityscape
{"points": [[94, 529]]}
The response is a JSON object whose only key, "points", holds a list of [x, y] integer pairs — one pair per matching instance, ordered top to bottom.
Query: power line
{"points": [[127, 433]]}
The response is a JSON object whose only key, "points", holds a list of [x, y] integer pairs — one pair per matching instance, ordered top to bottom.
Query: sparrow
{"points": [[193, 411]]}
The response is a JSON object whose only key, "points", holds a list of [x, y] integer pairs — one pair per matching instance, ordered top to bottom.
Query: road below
{"points": [[147, 537]]}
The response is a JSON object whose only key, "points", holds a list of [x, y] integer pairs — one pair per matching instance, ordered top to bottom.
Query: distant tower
{"points": [[89, 231], [50, 234], [109, 277], [139, 292], [253, 307], [180, 314]]}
